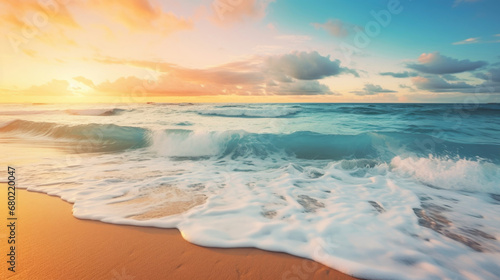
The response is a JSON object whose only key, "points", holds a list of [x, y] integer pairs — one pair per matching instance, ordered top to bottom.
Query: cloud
{"points": [[228, 12], [33, 13], [139, 15], [30, 20], [71, 25], [335, 27], [294, 38], [476, 40], [468, 41], [435, 63], [306, 66], [295, 73], [404, 74], [492, 75], [449, 77], [85, 81], [436, 84], [439, 84], [163, 85], [168, 85], [407, 87], [52, 88], [303, 88], [371, 89]]}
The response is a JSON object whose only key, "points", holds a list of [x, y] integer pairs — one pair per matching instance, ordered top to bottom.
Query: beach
{"points": [[250, 139], [52, 244]]}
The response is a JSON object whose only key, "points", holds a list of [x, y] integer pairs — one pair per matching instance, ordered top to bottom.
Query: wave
{"points": [[236, 112], [92, 137], [239, 144], [310, 145]]}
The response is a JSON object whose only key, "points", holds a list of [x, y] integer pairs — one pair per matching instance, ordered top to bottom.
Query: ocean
{"points": [[378, 191]]}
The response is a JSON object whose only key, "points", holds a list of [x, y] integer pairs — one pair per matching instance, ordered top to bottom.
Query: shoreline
{"points": [[53, 244]]}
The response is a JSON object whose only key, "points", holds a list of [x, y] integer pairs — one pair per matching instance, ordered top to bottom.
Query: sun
{"points": [[78, 88]]}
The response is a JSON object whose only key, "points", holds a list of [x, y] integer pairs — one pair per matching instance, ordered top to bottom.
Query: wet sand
{"points": [[52, 244]]}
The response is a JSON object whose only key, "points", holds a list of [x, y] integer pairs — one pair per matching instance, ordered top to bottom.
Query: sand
{"points": [[52, 244]]}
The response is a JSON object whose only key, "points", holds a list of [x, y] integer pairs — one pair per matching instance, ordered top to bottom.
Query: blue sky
{"points": [[422, 26]]}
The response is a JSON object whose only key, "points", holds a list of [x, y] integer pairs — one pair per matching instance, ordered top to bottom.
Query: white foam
{"points": [[453, 174], [322, 212]]}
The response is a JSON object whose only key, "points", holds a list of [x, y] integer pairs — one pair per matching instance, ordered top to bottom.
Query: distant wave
{"points": [[419, 110], [462, 110], [95, 112], [250, 112]]}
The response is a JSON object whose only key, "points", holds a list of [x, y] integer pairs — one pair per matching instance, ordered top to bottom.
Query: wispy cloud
{"points": [[230, 12], [139, 15], [335, 27], [477, 40], [468, 41], [404, 74]]}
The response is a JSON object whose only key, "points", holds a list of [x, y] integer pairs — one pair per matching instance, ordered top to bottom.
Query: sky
{"points": [[249, 51]]}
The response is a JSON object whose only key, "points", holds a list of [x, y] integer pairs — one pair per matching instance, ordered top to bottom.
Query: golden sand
{"points": [[52, 244]]}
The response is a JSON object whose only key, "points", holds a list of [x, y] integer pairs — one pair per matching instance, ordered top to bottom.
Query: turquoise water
{"points": [[391, 191]]}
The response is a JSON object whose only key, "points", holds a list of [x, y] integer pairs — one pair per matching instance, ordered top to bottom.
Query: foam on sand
{"points": [[363, 218]]}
